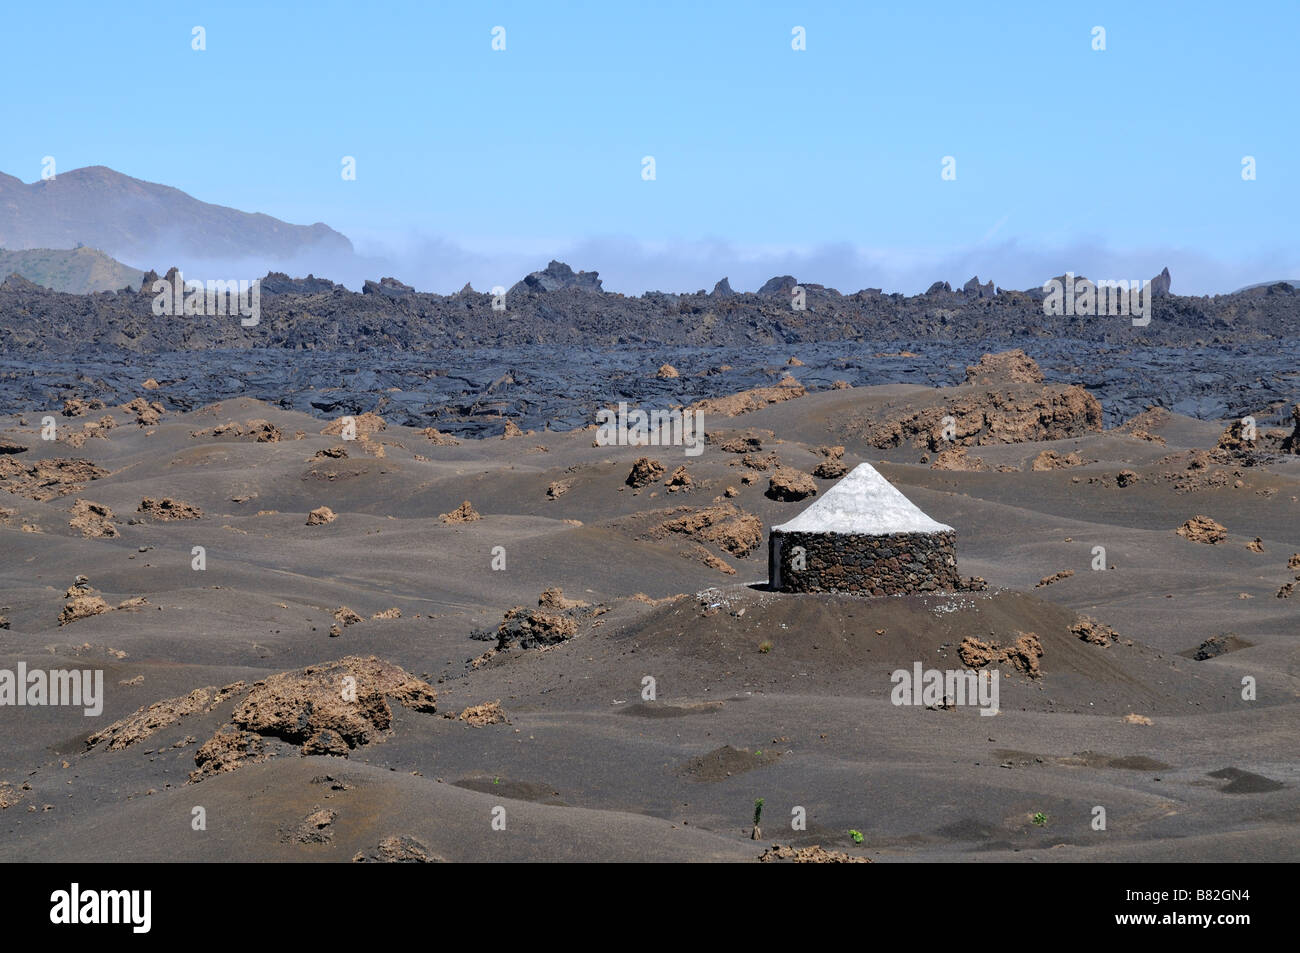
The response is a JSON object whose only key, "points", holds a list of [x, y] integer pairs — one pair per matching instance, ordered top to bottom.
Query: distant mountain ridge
{"points": [[134, 220], [74, 270]]}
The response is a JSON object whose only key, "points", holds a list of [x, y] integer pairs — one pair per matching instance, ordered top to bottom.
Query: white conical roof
{"points": [[863, 503]]}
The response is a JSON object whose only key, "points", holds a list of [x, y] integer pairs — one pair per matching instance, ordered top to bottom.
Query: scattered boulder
{"points": [[1005, 366], [666, 372], [749, 400], [367, 423], [263, 431], [438, 438], [955, 458], [1051, 460], [830, 470], [644, 472], [45, 480], [679, 480], [789, 485], [168, 509], [465, 513], [321, 516], [92, 520], [724, 525], [1202, 529], [1054, 577], [553, 598], [83, 602], [346, 617], [529, 628], [1093, 632], [1023, 654], [296, 706], [489, 713], [150, 719], [228, 749], [399, 849], [816, 854]]}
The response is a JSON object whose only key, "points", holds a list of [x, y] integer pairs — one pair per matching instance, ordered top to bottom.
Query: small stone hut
{"points": [[862, 536]]}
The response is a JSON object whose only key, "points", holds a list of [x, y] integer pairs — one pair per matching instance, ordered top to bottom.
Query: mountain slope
{"points": [[133, 220], [74, 270]]}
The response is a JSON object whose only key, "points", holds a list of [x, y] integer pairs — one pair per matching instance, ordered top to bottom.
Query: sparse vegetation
{"points": [[857, 836]]}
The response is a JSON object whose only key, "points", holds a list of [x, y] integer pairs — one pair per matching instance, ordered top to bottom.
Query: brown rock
{"points": [[1013, 366], [666, 372], [786, 389], [1017, 413], [366, 423], [263, 431], [438, 438], [955, 458], [1051, 460], [830, 470], [644, 472], [45, 480], [679, 480], [789, 485], [557, 489], [168, 509], [465, 513], [321, 516], [92, 520], [724, 525], [1202, 529], [1256, 545], [1054, 577], [553, 598], [83, 602], [346, 617], [529, 628], [1094, 632], [1023, 654], [295, 706], [489, 713], [150, 719], [225, 751], [398, 850], [816, 854]]}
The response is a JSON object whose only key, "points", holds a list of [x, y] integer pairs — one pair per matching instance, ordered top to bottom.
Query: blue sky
{"points": [[825, 163]]}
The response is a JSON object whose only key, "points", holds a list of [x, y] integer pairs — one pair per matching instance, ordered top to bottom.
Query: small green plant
{"points": [[764, 647], [496, 780], [758, 810], [1040, 818], [857, 836]]}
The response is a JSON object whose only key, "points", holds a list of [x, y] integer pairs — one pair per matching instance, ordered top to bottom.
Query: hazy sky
{"points": [[475, 164]]}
